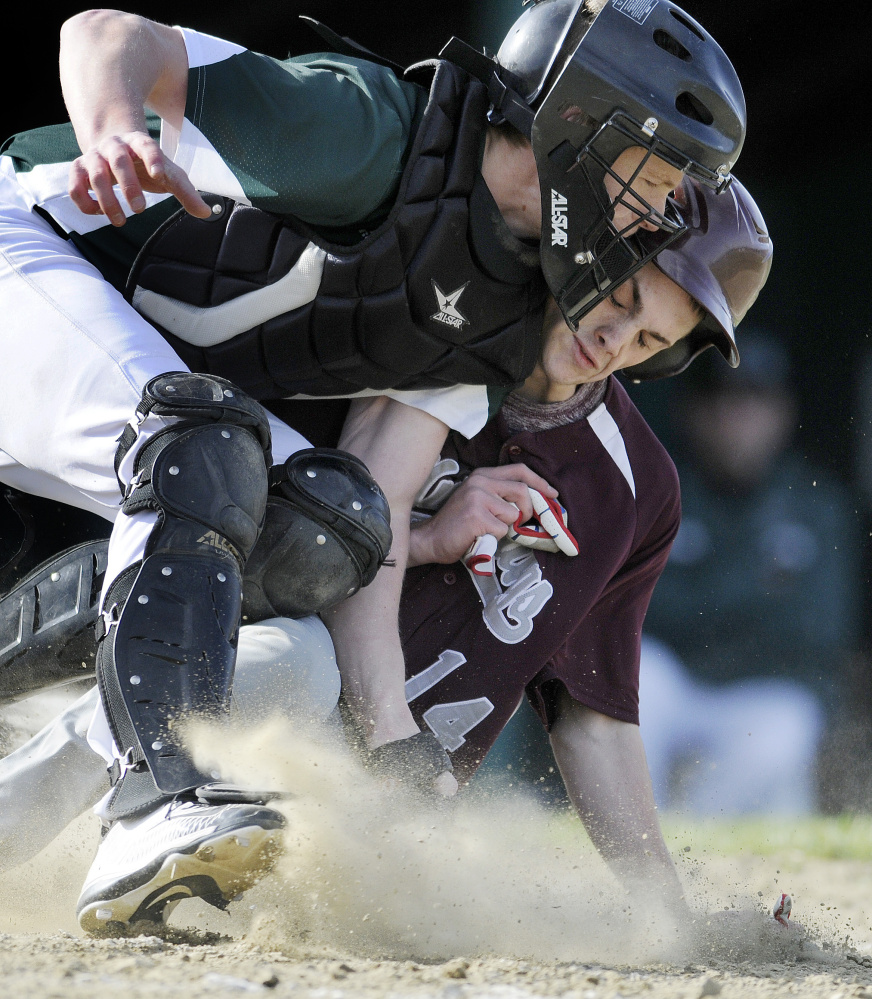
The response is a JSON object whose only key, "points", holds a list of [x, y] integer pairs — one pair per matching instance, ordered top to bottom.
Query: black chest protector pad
{"points": [[440, 294]]}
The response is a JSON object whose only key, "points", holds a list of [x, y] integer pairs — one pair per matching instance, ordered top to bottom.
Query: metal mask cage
{"points": [[645, 135], [609, 256]]}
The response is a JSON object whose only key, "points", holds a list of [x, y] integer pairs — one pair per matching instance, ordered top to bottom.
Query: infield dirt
{"points": [[478, 898]]}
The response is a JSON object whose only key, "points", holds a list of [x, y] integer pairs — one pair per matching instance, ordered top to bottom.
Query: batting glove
{"points": [[547, 530], [416, 761], [782, 909]]}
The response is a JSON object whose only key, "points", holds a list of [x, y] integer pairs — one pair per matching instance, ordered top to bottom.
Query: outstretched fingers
{"points": [[128, 165]]}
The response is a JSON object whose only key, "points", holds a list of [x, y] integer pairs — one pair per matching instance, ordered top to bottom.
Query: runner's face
{"points": [[655, 180], [644, 315]]}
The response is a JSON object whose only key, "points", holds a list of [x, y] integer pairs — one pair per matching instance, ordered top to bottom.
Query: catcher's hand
{"points": [[134, 163]]}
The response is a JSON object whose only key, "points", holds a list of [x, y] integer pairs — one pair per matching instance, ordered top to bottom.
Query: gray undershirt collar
{"points": [[521, 413]]}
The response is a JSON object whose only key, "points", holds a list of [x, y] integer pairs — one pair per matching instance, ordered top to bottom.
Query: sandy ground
{"points": [[477, 899]]}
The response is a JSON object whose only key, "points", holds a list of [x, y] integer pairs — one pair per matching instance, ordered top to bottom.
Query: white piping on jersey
{"points": [[203, 49], [46, 184], [205, 327], [603, 425]]}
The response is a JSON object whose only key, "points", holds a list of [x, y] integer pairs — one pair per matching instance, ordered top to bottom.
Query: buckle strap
{"points": [[507, 103], [120, 765]]}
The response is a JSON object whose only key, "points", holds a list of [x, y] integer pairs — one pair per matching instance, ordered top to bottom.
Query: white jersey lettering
{"points": [[514, 594], [420, 683], [450, 723]]}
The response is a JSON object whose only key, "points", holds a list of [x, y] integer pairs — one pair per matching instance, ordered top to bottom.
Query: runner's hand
{"points": [[488, 502]]}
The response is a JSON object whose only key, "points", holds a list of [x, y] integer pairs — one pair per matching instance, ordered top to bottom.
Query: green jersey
{"points": [[322, 137]]}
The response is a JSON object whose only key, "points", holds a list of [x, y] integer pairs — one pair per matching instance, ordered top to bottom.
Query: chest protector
{"points": [[439, 294]]}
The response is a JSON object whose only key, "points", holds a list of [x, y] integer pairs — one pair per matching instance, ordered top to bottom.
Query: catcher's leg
{"points": [[326, 533], [168, 630], [284, 667], [48, 782]]}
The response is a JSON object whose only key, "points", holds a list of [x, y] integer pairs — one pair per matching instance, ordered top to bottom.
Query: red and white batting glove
{"points": [[546, 531], [479, 557], [782, 908]]}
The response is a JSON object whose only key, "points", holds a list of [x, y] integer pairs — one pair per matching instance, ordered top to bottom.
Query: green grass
{"points": [[842, 837]]}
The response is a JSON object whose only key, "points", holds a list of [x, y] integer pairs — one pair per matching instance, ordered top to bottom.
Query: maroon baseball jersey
{"points": [[474, 645]]}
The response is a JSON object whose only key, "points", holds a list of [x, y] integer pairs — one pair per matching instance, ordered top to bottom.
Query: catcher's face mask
{"points": [[645, 79], [593, 207]]}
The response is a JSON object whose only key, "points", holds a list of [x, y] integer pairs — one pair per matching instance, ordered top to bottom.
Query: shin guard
{"points": [[169, 624]]}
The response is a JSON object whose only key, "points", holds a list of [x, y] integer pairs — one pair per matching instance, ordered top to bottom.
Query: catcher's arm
{"points": [[113, 65]]}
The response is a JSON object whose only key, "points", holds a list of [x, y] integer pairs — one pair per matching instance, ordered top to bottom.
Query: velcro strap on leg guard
{"points": [[198, 398], [326, 533], [134, 792], [223, 794]]}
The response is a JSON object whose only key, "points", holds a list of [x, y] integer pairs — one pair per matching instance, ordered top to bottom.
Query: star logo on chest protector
{"points": [[448, 313]]}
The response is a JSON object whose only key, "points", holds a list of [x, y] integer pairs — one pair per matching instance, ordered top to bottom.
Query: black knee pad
{"points": [[201, 399], [206, 474], [208, 485], [326, 532]]}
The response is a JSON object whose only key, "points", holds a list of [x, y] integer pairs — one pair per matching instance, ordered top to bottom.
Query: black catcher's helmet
{"points": [[641, 73], [722, 259]]}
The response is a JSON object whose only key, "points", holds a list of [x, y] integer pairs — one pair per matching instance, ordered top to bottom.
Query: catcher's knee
{"points": [[205, 474], [326, 533], [287, 667]]}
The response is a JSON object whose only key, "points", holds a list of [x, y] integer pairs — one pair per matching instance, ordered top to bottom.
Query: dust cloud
{"points": [[374, 870]]}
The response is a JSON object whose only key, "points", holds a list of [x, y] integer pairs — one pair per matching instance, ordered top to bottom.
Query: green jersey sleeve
{"points": [[322, 137]]}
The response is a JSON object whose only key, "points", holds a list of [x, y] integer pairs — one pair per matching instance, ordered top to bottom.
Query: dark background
{"points": [[805, 158]]}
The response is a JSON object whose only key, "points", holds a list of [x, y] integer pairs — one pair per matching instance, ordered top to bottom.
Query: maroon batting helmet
{"points": [[722, 260]]}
